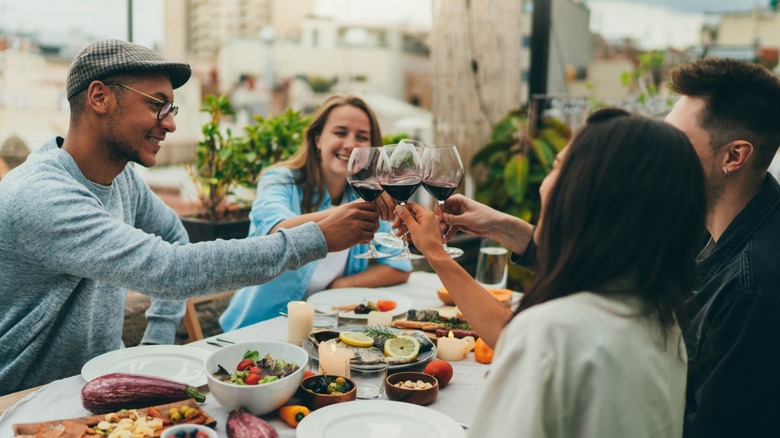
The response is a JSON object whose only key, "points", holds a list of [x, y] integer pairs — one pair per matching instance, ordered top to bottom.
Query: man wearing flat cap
{"points": [[78, 227]]}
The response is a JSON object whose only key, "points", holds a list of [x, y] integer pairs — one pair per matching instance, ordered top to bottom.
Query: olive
{"points": [[362, 309]]}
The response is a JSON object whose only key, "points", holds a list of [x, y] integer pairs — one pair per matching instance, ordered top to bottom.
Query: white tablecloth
{"points": [[61, 399]]}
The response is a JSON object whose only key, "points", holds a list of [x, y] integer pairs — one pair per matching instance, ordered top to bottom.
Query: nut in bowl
{"points": [[285, 362], [418, 388], [320, 390]]}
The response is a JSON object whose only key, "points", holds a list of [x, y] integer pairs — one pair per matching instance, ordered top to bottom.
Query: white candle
{"points": [[300, 317], [379, 319], [469, 343], [451, 348], [334, 361]]}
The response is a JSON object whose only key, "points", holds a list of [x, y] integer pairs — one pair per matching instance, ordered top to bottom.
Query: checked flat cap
{"points": [[109, 57]]}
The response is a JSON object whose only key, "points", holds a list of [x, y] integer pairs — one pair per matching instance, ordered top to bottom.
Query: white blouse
{"points": [[327, 270], [584, 365]]}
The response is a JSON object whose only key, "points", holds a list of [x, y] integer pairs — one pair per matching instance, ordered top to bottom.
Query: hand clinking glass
{"points": [[362, 177]]}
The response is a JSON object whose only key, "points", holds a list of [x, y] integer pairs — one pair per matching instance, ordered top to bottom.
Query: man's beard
{"points": [[120, 151]]}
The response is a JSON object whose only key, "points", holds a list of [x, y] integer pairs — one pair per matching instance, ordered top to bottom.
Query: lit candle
{"points": [[300, 317], [379, 319], [451, 348], [334, 361]]}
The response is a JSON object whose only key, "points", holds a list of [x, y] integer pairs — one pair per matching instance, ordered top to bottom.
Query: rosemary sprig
{"points": [[379, 333]]}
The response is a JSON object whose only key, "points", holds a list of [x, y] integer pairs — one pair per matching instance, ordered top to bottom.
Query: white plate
{"points": [[358, 295], [175, 362], [377, 419]]}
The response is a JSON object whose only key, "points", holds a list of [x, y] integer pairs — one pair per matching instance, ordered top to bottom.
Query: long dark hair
{"points": [[306, 160], [628, 208]]}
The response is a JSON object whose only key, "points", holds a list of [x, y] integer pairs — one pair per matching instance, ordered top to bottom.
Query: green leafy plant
{"points": [[273, 139], [393, 139], [225, 162], [509, 169]]}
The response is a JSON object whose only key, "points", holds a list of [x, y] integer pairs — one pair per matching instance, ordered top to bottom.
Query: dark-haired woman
{"points": [[594, 349]]}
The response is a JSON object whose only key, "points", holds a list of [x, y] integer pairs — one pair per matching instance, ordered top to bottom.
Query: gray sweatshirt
{"points": [[70, 249]]}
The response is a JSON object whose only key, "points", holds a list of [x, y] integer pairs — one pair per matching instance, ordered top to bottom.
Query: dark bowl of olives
{"points": [[322, 390]]}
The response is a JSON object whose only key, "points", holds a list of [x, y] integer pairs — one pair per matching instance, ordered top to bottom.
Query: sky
{"points": [[654, 23]]}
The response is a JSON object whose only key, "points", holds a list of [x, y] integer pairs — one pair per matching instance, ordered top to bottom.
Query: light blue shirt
{"points": [[279, 198]]}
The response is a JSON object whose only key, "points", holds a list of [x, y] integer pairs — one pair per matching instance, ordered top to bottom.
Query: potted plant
{"points": [[225, 161], [509, 169]]}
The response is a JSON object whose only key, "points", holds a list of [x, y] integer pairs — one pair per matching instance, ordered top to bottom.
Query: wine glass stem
{"points": [[446, 228], [406, 243]]}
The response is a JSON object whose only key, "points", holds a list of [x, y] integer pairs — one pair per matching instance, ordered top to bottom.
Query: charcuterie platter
{"points": [[154, 421]]}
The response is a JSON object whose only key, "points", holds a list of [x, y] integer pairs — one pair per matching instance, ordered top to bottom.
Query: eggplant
{"points": [[116, 391], [242, 424]]}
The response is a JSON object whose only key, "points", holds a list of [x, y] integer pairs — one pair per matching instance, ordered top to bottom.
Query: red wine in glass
{"points": [[400, 173], [442, 174], [362, 177], [401, 188], [440, 190], [368, 191]]}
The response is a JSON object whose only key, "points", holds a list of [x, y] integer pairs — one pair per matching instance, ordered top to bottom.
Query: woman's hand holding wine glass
{"points": [[442, 174]]}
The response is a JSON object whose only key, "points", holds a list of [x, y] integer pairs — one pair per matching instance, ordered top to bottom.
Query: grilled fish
{"points": [[367, 355]]}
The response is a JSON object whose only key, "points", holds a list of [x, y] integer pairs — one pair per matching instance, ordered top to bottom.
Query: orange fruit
{"points": [[482, 353], [441, 370]]}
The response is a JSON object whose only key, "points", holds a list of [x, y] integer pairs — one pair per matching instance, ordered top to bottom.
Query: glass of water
{"points": [[492, 264], [325, 316], [369, 379]]}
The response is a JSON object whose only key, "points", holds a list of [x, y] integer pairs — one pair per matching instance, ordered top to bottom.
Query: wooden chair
{"points": [[191, 320]]}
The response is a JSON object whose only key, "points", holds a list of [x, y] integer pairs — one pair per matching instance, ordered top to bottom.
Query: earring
{"points": [[726, 173]]}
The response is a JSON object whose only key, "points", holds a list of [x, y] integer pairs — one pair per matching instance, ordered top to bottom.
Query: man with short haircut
{"points": [[730, 111], [78, 226]]}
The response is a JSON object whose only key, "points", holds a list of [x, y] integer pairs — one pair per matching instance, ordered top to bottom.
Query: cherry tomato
{"points": [[385, 305], [244, 364], [255, 370], [308, 373], [252, 379], [201, 434]]}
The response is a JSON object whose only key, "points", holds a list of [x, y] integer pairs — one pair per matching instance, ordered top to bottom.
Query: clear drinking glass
{"points": [[400, 174], [442, 174], [362, 176], [492, 264], [369, 380]]}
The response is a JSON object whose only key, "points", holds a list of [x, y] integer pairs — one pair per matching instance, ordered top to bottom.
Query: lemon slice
{"points": [[356, 339], [403, 347]]}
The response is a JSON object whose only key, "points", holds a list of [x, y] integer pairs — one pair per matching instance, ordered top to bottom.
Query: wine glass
{"points": [[400, 174], [442, 174], [362, 176], [390, 240]]}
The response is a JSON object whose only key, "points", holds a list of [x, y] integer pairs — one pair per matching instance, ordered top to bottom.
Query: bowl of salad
{"points": [[259, 376]]}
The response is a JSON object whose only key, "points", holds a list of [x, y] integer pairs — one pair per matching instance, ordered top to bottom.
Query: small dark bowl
{"points": [[417, 396], [314, 401]]}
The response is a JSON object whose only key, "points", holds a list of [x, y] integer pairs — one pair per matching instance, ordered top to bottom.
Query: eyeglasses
{"points": [[164, 107]]}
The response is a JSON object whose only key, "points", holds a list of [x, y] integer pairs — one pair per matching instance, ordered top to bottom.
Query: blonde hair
{"points": [[306, 160]]}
